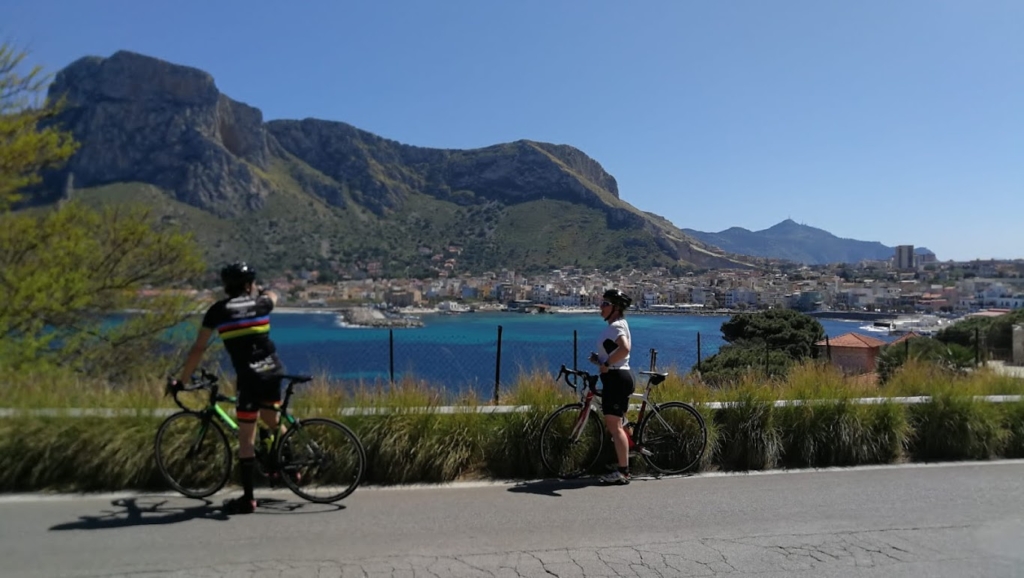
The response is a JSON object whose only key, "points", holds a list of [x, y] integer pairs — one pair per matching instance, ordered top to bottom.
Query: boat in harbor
{"points": [[451, 308], [922, 324]]}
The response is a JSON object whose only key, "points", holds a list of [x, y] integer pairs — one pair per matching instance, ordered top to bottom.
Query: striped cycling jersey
{"points": [[243, 323], [243, 327]]}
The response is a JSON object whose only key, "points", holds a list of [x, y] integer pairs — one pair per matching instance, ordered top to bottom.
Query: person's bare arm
{"points": [[270, 293], [620, 352], [195, 354]]}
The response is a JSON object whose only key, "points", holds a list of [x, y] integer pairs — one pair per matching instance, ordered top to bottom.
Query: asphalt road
{"points": [[943, 520]]}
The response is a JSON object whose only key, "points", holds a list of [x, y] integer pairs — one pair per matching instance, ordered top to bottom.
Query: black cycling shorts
{"points": [[617, 386], [256, 391]]}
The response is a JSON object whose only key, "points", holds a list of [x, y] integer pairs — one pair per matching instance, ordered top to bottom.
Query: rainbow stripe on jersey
{"points": [[244, 327]]}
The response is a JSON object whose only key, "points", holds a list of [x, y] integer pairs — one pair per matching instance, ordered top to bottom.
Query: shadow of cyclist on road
{"points": [[552, 487], [160, 510], [146, 511]]}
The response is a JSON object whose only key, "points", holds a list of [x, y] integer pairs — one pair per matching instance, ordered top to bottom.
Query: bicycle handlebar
{"points": [[653, 378], [588, 379], [207, 380]]}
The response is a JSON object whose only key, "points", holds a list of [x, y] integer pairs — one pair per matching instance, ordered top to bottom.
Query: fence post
{"points": [[977, 347], [906, 348], [828, 349], [574, 350], [698, 351], [391, 354], [654, 359], [497, 369], [766, 373]]}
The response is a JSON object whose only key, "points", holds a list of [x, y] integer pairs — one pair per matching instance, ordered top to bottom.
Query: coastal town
{"points": [[866, 289], [898, 297]]}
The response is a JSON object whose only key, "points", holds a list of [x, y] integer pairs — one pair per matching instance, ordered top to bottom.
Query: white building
{"points": [[740, 296]]}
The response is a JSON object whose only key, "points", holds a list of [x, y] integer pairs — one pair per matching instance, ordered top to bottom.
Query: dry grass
{"points": [[411, 441]]}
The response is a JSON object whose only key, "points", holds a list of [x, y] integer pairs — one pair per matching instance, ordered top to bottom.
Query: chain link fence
{"points": [[490, 359], [488, 365]]}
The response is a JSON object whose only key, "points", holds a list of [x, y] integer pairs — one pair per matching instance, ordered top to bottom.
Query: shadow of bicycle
{"points": [[552, 487], [276, 506], [162, 510]]}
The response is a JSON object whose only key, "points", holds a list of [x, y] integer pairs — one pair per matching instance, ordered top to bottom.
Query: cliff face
{"points": [[143, 120], [147, 120], [384, 172]]}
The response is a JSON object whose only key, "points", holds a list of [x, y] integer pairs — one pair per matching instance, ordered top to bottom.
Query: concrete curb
{"points": [[451, 409], [28, 497]]}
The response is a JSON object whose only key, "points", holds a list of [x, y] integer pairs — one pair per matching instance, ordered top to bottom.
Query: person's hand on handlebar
{"points": [[173, 386]]}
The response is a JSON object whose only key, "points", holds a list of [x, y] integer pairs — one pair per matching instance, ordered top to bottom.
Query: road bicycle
{"points": [[671, 437], [320, 460]]}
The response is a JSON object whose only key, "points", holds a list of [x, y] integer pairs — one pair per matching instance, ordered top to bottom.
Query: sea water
{"points": [[462, 351]]}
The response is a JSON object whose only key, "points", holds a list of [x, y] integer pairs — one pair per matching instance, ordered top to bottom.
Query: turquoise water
{"points": [[460, 351]]}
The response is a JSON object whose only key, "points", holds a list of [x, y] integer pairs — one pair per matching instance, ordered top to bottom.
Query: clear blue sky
{"points": [[900, 122]]}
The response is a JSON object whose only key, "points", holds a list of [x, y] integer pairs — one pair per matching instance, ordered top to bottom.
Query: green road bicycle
{"points": [[320, 460]]}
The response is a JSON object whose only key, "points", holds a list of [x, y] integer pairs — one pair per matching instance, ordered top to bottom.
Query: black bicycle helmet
{"points": [[237, 275], [617, 298]]}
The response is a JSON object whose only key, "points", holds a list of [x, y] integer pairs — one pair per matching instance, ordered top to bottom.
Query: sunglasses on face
{"points": [[606, 304]]}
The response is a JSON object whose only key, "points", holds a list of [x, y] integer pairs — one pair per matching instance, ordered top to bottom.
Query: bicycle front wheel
{"points": [[675, 437], [569, 446], [193, 454], [321, 460]]}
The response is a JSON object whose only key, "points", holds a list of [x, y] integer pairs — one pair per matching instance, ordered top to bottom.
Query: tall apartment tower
{"points": [[905, 257]]}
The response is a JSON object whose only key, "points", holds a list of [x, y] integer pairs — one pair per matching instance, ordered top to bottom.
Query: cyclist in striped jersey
{"points": [[242, 321]]}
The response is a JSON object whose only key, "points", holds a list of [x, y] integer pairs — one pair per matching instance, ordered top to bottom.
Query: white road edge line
{"points": [[449, 410], [16, 498]]}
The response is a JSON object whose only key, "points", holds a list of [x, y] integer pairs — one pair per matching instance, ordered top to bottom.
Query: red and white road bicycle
{"points": [[671, 437]]}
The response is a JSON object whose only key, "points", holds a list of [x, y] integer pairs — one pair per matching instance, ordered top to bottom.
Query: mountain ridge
{"points": [[353, 196], [799, 243]]}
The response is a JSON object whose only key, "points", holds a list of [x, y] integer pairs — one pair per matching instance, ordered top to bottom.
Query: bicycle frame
{"points": [[653, 378], [589, 392], [214, 410], [652, 432], [290, 454]]}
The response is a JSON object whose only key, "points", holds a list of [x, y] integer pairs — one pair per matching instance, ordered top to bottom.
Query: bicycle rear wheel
{"points": [[675, 435], [569, 447], [193, 454], [321, 460]]}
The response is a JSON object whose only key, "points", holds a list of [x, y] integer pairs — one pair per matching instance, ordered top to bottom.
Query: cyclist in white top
{"points": [[616, 379]]}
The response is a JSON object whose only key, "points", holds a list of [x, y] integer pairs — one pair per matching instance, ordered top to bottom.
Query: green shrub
{"points": [[1014, 424], [954, 426], [842, 433], [749, 435], [410, 441]]}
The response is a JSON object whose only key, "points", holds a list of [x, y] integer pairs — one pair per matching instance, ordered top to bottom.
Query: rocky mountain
{"points": [[140, 119], [322, 194], [792, 241]]}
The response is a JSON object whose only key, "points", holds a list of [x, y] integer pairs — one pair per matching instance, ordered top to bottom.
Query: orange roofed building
{"points": [[852, 353]]}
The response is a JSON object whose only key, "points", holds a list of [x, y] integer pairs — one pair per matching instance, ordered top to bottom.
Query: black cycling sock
{"points": [[247, 467], [624, 470]]}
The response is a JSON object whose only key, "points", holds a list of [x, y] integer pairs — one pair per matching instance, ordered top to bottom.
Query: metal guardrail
{"points": [[454, 409]]}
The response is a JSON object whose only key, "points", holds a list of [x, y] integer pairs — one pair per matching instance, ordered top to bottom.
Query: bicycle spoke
{"points": [[675, 436], [569, 446], [193, 454], [321, 460]]}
